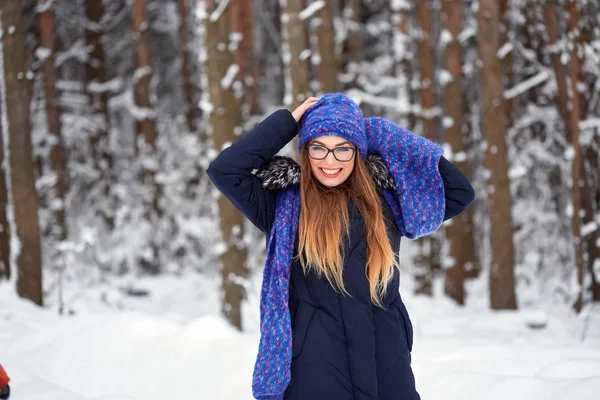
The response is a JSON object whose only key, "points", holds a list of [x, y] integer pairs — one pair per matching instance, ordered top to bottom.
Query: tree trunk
{"points": [[354, 41], [294, 49], [244, 56], [404, 58], [507, 60], [425, 62], [328, 64], [186, 66], [15, 87], [145, 115], [145, 124], [221, 125], [493, 129], [573, 138], [58, 162], [460, 231], [429, 247], [5, 271]]}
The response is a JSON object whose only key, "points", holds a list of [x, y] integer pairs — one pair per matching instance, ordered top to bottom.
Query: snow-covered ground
{"points": [[172, 345]]}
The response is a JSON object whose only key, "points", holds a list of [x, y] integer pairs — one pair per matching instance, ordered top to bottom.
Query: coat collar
{"points": [[281, 172]]}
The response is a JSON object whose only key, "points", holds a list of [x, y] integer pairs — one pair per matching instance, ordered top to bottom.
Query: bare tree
{"points": [[402, 14], [242, 24], [354, 40], [295, 53], [327, 62], [186, 66], [220, 70], [15, 93], [144, 114], [145, 124], [493, 127], [573, 138], [58, 162], [460, 231], [427, 258], [5, 272]]}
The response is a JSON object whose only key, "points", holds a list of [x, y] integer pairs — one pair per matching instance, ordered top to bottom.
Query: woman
{"points": [[333, 324]]}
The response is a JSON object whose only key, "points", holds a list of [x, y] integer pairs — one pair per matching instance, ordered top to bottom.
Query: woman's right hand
{"points": [[301, 109]]}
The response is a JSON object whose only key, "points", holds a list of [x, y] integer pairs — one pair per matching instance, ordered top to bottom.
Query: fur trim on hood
{"points": [[282, 172]]}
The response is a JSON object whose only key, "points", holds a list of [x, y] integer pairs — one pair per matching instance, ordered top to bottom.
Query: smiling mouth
{"points": [[331, 173]]}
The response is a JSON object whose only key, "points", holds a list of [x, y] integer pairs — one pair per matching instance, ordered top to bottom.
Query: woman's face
{"points": [[330, 171]]}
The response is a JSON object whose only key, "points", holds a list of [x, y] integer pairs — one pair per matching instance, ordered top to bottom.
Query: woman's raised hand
{"points": [[299, 112]]}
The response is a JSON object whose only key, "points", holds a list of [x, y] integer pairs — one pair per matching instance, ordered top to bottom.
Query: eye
{"points": [[316, 147], [343, 149]]}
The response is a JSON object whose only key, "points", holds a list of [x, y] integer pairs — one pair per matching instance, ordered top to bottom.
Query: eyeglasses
{"points": [[342, 154]]}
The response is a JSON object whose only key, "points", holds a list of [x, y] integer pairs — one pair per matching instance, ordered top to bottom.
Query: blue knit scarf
{"points": [[417, 203]]}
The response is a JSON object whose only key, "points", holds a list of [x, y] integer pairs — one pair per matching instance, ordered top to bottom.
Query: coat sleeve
{"points": [[231, 171], [458, 191], [357, 315]]}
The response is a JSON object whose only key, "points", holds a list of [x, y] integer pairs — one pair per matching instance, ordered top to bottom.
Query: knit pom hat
{"points": [[334, 115]]}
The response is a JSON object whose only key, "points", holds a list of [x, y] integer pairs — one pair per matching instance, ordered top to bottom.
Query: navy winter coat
{"points": [[344, 348]]}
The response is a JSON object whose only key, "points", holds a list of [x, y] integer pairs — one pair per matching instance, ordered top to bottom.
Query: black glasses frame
{"points": [[331, 151]]}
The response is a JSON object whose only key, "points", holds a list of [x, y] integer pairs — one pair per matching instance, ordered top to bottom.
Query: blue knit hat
{"points": [[334, 115]]}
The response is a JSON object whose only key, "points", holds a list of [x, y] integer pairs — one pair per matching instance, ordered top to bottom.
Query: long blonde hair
{"points": [[323, 219]]}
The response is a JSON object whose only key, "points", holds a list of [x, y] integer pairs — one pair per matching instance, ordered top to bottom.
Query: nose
{"points": [[330, 159]]}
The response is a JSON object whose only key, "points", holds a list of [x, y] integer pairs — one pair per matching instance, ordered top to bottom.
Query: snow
{"points": [[312, 8], [219, 10], [229, 76], [524, 86], [173, 345]]}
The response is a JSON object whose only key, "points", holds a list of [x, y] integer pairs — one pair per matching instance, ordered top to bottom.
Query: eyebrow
{"points": [[337, 145]]}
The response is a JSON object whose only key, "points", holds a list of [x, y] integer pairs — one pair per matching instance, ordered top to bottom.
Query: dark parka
{"points": [[344, 347]]}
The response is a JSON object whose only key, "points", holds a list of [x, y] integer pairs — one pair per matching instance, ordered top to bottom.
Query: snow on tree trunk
{"points": [[402, 15], [242, 28], [354, 41], [294, 53], [325, 59], [186, 66], [97, 91], [15, 95], [223, 121], [145, 124], [493, 127], [573, 138], [57, 156], [460, 231], [427, 259], [5, 271]]}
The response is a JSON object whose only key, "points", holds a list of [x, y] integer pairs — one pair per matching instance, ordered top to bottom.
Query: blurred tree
{"points": [[403, 20], [242, 24], [354, 40], [294, 52], [327, 64], [186, 66], [97, 92], [15, 93], [223, 120], [572, 125], [493, 127], [57, 156], [460, 230], [427, 259], [5, 272]]}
